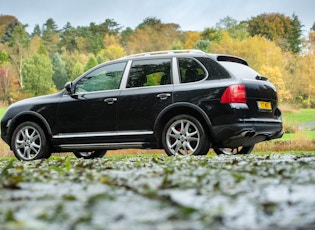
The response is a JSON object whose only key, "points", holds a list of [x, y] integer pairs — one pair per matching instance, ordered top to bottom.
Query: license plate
{"points": [[264, 105]]}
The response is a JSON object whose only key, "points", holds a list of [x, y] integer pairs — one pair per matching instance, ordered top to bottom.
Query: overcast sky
{"points": [[193, 15]]}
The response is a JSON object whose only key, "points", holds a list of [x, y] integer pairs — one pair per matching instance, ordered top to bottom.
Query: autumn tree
{"points": [[5, 20], [285, 31], [152, 35], [191, 39], [16, 41], [113, 49], [5, 79]]}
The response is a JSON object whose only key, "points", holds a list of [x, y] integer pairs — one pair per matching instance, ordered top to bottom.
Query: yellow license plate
{"points": [[264, 105]]}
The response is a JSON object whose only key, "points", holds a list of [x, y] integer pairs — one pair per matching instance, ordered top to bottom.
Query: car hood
{"points": [[35, 104]]}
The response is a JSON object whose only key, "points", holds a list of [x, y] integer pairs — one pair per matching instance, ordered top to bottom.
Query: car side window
{"points": [[190, 70], [153, 72], [104, 78]]}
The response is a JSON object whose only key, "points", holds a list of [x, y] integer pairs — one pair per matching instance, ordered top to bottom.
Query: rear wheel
{"points": [[184, 135], [29, 142], [233, 151], [90, 155]]}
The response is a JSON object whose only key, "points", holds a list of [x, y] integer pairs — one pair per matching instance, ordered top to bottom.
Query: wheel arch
{"points": [[177, 109], [29, 116]]}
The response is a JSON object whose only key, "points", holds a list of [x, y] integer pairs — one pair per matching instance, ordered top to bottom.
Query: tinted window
{"points": [[190, 70], [215, 70], [241, 71], [149, 73], [104, 78]]}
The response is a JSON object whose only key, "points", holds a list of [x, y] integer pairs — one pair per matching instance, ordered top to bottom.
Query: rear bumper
{"points": [[245, 134]]}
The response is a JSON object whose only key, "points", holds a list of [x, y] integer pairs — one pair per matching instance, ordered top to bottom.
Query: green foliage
{"points": [[235, 29], [203, 45], [4, 57], [91, 63], [78, 69], [37, 72], [60, 74]]}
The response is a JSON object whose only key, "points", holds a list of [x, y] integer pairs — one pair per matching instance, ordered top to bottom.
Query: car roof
{"points": [[187, 52]]}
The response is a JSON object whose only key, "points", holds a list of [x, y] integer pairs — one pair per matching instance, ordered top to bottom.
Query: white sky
{"points": [[193, 15]]}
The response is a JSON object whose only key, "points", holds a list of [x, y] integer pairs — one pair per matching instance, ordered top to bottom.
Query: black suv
{"points": [[183, 101]]}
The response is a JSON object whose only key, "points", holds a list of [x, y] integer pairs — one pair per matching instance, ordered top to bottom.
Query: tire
{"points": [[184, 135], [29, 142], [242, 150], [90, 155]]}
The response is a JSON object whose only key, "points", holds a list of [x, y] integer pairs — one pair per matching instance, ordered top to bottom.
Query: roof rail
{"points": [[166, 52]]}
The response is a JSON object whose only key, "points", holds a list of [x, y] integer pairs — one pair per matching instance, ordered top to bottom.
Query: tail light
{"points": [[234, 94]]}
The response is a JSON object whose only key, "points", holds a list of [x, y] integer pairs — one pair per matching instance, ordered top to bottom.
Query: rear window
{"points": [[215, 70], [240, 71]]}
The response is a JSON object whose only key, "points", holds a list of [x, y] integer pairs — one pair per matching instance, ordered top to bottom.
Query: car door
{"points": [[148, 91], [91, 109]]}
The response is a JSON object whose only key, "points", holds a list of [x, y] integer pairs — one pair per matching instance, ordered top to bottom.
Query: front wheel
{"points": [[184, 135], [29, 142], [233, 151], [90, 155]]}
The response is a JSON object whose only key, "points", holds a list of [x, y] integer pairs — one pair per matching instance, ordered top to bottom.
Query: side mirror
{"points": [[68, 87]]}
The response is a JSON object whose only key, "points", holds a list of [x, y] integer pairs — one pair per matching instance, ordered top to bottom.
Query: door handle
{"points": [[163, 96], [110, 101]]}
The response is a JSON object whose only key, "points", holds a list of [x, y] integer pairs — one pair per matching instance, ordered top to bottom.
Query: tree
{"points": [[5, 20], [236, 30], [37, 31], [286, 32], [211, 34], [153, 35], [51, 36], [68, 37], [191, 38], [16, 40], [203, 45], [4, 57], [91, 63], [37, 71], [76, 71], [60, 74], [5, 79], [5, 82]]}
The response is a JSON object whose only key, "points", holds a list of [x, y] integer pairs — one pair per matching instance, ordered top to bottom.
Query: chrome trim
{"points": [[102, 134], [103, 145]]}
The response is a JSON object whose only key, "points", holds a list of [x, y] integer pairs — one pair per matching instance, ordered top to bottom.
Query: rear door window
{"points": [[190, 70], [153, 72]]}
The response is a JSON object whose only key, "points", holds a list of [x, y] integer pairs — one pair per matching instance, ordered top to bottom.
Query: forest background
{"points": [[41, 62]]}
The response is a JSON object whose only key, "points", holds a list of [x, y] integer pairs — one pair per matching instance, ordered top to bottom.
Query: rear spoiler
{"points": [[228, 58]]}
